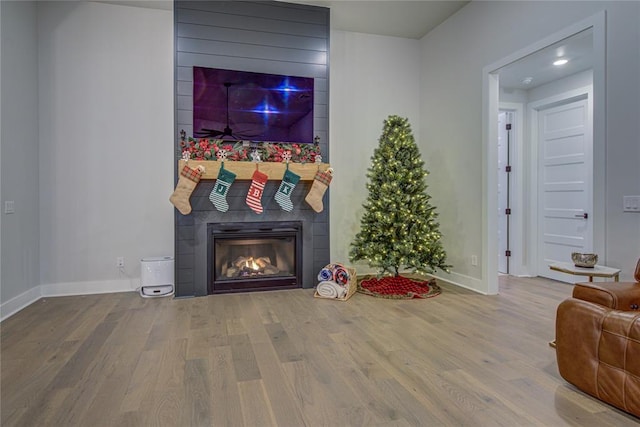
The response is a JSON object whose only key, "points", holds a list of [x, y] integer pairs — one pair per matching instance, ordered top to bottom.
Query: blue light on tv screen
{"points": [[250, 106]]}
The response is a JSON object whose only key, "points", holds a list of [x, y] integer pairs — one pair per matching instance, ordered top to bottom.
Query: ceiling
{"points": [[151, 4], [397, 18], [538, 66]]}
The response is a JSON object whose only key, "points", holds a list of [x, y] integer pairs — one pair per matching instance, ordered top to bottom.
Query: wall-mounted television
{"points": [[241, 105]]}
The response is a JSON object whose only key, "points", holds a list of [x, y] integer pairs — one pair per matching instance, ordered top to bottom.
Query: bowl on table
{"points": [[584, 260]]}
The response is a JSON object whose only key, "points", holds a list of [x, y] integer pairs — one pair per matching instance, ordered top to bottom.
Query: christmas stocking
{"points": [[258, 181], [289, 181], [187, 182], [318, 188], [218, 195]]}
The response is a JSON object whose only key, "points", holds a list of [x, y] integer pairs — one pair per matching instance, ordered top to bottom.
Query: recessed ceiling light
{"points": [[560, 62], [527, 80]]}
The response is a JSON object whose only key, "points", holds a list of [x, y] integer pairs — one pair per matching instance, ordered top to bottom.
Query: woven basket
{"points": [[353, 286]]}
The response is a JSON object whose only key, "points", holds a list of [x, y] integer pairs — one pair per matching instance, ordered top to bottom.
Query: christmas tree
{"points": [[399, 227]]}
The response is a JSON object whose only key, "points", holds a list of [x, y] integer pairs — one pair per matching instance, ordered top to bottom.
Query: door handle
{"points": [[584, 215]]}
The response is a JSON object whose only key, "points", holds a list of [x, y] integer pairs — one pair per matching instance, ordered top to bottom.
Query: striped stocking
{"points": [[289, 181], [218, 195], [254, 196]]}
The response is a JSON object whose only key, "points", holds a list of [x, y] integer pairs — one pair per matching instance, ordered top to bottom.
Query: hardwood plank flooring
{"points": [[284, 358]]}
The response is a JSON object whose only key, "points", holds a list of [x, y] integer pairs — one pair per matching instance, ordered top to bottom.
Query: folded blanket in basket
{"points": [[335, 272], [325, 274], [341, 275], [330, 289]]}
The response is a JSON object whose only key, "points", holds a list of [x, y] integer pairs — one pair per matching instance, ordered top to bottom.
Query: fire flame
{"points": [[250, 263]]}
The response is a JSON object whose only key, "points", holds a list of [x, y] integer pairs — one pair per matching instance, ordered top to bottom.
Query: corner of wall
{"points": [[17, 303]]}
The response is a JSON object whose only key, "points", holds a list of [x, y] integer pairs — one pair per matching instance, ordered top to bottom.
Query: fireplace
{"points": [[194, 238], [246, 257]]}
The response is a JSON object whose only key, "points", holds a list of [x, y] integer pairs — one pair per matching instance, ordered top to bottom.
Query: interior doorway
{"points": [[528, 186]]}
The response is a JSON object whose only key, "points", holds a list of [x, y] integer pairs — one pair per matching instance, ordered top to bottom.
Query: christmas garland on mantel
{"points": [[208, 149]]}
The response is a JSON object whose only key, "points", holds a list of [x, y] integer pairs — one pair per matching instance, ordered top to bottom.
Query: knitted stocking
{"points": [[289, 181], [187, 182], [318, 188], [218, 195], [254, 196]]}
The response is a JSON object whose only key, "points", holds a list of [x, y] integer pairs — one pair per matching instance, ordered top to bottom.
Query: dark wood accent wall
{"points": [[263, 37]]}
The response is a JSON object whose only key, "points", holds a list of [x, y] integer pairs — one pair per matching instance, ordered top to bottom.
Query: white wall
{"points": [[454, 55], [372, 77], [106, 146], [19, 151]]}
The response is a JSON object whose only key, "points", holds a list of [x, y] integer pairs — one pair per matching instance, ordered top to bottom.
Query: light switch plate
{"points": [[631, 203]]}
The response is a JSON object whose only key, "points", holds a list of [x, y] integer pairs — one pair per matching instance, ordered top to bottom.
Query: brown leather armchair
{"points": [[598, 341]]}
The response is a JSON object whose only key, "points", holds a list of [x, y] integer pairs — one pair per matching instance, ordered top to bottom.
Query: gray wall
{"points": [[262, 37], [19, 149]]}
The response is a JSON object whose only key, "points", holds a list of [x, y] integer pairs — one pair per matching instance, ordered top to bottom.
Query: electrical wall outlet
{"points": [[631, 203], [9, 207], [474, 260], [120, 262]]}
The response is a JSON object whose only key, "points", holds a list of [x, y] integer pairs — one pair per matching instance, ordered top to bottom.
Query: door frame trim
{"points": [[490, 88], [518, 183]]}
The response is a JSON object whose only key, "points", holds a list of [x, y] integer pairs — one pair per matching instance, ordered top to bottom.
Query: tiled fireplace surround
{"points": [[192, 238]]}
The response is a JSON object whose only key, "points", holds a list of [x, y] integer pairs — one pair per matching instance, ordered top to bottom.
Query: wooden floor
{"points": [[287, 359]]}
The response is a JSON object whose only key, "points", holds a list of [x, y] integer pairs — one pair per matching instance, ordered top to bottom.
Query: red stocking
{"points": [[254, 196]]}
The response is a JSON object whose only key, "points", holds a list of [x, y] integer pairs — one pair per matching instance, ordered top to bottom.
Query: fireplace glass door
{"points": [[246, 257]]}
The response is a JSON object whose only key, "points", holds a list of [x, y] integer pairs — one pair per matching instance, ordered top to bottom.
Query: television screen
{"points": [[240, 105]]}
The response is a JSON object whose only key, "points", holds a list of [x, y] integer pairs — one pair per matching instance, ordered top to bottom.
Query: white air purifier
{"points": [[156, 277]]}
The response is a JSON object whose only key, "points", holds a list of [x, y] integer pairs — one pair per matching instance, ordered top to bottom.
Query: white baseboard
{"points": [[462, 280], [87, 288], [27, 298], [15, 304]]}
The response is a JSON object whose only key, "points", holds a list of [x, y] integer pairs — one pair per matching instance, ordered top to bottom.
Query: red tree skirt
{"points": [[398, 287]]}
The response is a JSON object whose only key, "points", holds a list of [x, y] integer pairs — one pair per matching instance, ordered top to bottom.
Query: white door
{"points": [[504, 119], [565, 184]]}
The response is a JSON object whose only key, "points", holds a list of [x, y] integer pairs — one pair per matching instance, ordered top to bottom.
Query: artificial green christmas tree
{"points": [[399, 228]]}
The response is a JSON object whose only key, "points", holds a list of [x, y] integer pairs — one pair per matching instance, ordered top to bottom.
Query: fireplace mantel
{"points": [[244, 170]]}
